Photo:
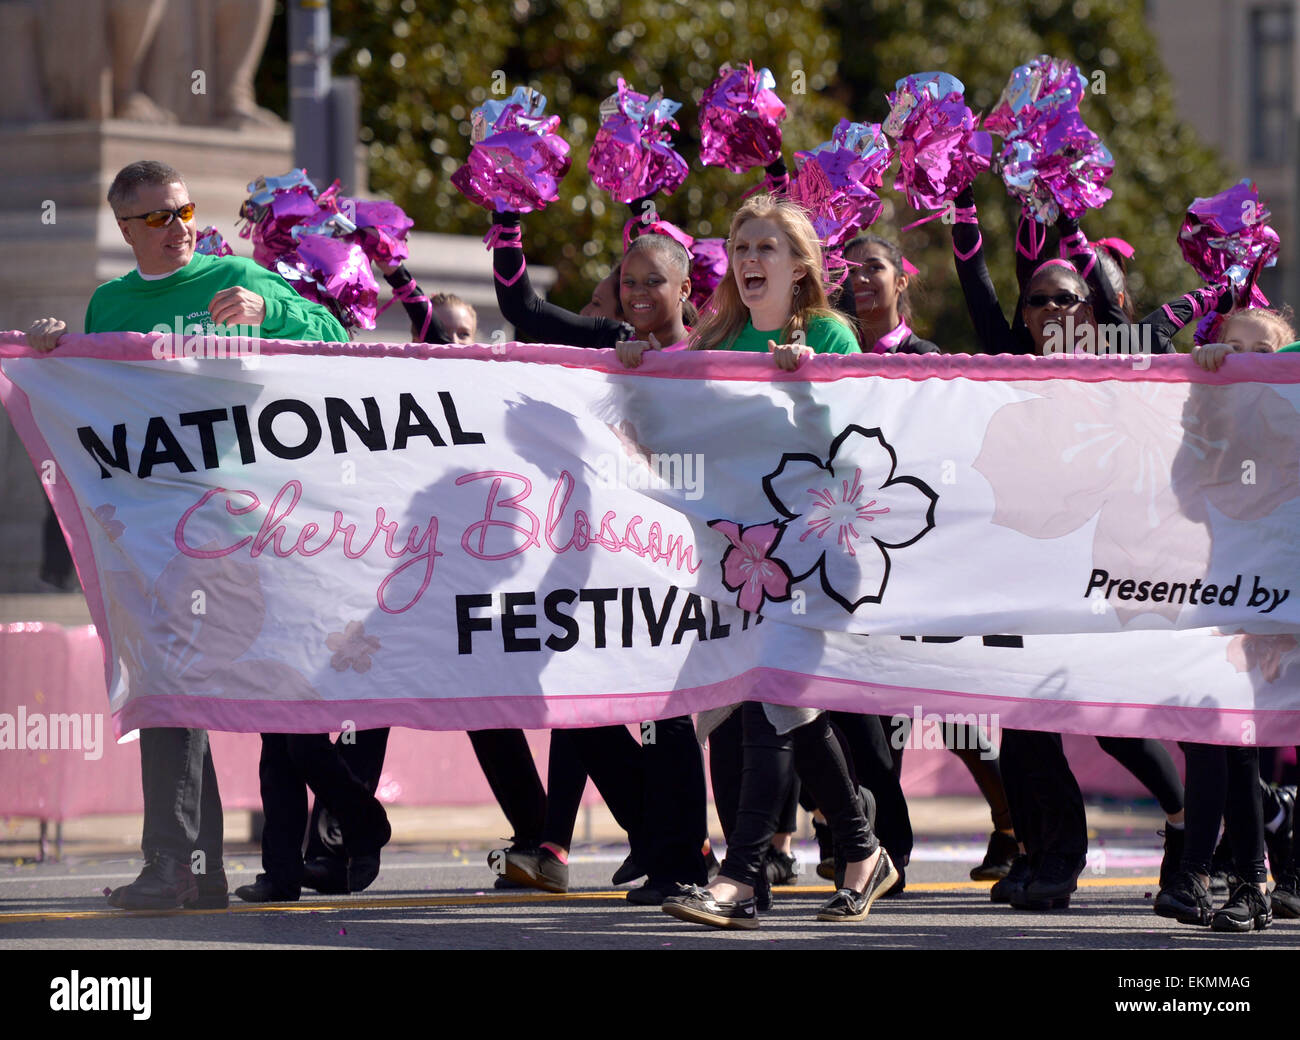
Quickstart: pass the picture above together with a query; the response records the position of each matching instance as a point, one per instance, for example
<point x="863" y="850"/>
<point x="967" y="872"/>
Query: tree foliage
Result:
<point x="423" y="66"/>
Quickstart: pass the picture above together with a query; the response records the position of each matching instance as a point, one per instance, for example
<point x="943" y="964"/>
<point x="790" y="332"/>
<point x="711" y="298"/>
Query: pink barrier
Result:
<point x="48" y="670"/>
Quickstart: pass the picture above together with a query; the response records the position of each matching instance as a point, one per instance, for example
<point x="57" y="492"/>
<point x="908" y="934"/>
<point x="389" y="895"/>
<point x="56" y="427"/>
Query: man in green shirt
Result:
<point x="173" y="289"/>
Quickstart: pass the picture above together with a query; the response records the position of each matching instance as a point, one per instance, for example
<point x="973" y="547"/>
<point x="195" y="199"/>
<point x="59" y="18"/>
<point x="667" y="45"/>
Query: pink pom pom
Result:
<point x="1227" y="238"/>
<point x="335" y="273"/>
<point x="939" y="150"/>
<point x="517" y="160"/>
<point x="631" y="157"/>
<point x="211" y="243"/>
<point x="740" y="120"/>
<point x="1050" y="160"/>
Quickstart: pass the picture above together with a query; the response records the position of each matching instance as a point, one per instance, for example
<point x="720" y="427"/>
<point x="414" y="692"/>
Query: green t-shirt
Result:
<point x="179" y="302"/>
<point x="825" y="336"/>
<point x="1289" y="348"/>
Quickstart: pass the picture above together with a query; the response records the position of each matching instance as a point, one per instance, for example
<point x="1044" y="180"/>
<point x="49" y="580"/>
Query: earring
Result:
<point x="797" y="287"/>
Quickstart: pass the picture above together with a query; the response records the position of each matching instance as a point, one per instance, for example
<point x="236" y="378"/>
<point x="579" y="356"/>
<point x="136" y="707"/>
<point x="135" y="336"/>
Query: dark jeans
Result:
<point x="182" y="805"/>
<point x="292" y="762"/>
<point x="769" y="761"/>
<point x="1224" y="779"/>
<point x="1046" y="803"/>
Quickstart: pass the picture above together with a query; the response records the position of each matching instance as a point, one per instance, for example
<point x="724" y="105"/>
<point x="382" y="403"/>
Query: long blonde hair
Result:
<point x="725" y="316"/>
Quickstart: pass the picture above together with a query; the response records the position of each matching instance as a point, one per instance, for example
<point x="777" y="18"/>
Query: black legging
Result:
<point x="612" y="758"/>
<point x="1151" y="763"/>
<point x="768" y="765"/>
<point x="726" y="758"/>
<point x="1221" y="781"/>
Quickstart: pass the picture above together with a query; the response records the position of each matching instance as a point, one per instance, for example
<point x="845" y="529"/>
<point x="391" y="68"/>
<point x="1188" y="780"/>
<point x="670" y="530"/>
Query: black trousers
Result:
<point x="292" y="762"/>
<point x="182" y="805"/>
<point x="364" y="756"/>
<point x="612" y="758"/>
<point x="676" y="803"/>
<point x="1222" y="779"/>
<point x="507" y="762"/>
<point x="1046" y="803"/>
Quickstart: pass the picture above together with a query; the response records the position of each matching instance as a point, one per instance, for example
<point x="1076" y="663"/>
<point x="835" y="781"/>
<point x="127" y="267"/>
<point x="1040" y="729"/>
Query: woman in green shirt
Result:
<point x="775" y="299"/>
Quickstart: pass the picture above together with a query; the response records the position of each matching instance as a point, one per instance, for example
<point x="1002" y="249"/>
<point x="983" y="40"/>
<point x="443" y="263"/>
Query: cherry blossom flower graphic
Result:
<point x="106" y="515"/>
<point x="748" y="569"/>
<point x="1247" y="652"/>
<point x="1147" y="461"/>
<point x="839" y="519"/>
<point x="352" y="648"/>
<point x="190" y="630"/>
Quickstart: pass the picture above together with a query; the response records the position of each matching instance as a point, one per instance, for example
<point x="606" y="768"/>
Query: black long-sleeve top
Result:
<point x="532" y="317"/>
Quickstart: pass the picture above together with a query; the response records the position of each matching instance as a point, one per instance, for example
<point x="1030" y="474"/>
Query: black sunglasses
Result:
<point x="1063" y="299"/>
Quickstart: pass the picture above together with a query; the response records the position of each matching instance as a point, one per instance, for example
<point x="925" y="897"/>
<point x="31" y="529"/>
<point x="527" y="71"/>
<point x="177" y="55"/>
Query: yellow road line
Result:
<point x="485" y="900"/>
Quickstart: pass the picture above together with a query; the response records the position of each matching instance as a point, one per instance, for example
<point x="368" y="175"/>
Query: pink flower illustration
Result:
<point x="1247" y="652"/>
<point x="842" y="516"/>
<point x="1146" y="461"/>
<point x="105" y="514"/>
<point x="748" y="569"/>
<point x="352" y="648"/>
<point x="189" y="632"/>
<point x="626" y="433"/>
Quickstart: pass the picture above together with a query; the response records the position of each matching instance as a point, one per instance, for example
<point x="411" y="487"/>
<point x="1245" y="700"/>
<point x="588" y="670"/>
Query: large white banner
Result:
<point x="453" y="537"/>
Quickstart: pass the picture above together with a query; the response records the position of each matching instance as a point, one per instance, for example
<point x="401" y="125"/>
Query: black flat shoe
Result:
<point x="1015" y="881"/>
<point x="1051" y="885"/>
<point x="627" y="872"/>
<point x="998" y="857"/>
<point x="263" y="890"/>
<point x="537" y="868"/>
<point x="328" y="875"/>
<point x="848" y="905"/>
<point x="653" y="893"/>
<point x="699" y="907"/>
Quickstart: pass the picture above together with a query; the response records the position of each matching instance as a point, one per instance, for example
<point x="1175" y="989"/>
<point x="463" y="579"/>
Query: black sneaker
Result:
<point x="1248" y="909"/>
<point x="780" y="868"/>
<point x="998" y="857"/>
<point x="264" y="890"/>
<point x="536" y="868"/>
<point x="698" y="906"/>
<point x="1051" y="885"/>
<point x="328" y="875"/>
<point x="1286" y="898"/>
<point x="848" y="905"/>
<point x="1173" y="854"/>
<point x="1223" y="875"/>
<point x="1280" y="860"/>
<point x="1015" y="881"/>
<point x="653" y="893"/>
<point x="1185" y="899"/>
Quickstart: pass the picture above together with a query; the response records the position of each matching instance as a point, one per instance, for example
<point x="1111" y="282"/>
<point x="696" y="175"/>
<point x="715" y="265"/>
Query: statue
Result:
<point x="152" y="61"/>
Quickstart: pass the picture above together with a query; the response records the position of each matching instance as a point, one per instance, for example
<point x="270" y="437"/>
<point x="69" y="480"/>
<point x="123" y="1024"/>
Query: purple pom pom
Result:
<point x="1227" y="238"/>
<point x="631" y="157"/>
<point x="517" y="160"/>
<point x="835" y="181"/>
<point x="709" y="263"/>
<point x="211" y="243"/>
<point x="939" y="150"/>
<point x="740" y="120"/>
<point x="1050" y="160"/>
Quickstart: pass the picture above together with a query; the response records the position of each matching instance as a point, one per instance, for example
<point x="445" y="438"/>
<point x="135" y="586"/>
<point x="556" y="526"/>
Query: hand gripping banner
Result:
<point x="303" y="535"/>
